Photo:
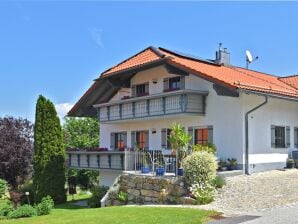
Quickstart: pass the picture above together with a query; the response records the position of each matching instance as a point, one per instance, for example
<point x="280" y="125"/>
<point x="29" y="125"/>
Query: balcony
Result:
<point x="170" y="103"/>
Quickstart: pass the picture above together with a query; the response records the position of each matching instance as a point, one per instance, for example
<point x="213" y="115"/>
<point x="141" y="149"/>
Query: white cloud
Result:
<point x="62" y="109"/>
<point x="96" y="35"/>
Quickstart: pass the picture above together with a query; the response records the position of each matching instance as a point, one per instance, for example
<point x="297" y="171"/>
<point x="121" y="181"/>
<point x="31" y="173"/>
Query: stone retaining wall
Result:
<point x="149" y="190"/>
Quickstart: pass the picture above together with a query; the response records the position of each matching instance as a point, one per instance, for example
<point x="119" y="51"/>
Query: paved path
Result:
<point x="257" y="193"/>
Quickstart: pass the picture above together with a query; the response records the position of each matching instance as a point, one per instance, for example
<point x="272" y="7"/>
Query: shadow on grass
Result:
<point x="70" y="205"/>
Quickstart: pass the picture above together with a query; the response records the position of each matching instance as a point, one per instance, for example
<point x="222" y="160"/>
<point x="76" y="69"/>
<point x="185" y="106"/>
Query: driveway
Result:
<point x="257" y="193"/>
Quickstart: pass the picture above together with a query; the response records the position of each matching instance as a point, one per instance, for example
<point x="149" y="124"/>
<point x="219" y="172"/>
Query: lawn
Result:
<point x="133" y="215"/>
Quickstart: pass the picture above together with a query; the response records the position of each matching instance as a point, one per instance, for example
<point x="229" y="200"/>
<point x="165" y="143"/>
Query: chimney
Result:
<point x="222" y="56"/>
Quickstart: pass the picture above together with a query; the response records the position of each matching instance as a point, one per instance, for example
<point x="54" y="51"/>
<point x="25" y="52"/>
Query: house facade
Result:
<point x="248" y="115"/>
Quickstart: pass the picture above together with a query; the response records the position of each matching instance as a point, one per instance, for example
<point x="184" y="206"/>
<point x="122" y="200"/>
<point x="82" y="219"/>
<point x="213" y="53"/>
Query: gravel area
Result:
<point x="258" y="192"/>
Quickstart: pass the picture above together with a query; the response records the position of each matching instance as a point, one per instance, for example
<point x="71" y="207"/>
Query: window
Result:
<point x="165" y="133"/>
<point x="140" y="90"/>
<point x="118" y="140"/>
<point x="174" y="83"/>
<point x="280" y="136"/>
<point x="296" y="137"/>
<point x="140" y="139"/>
<point x="201" y="135"/>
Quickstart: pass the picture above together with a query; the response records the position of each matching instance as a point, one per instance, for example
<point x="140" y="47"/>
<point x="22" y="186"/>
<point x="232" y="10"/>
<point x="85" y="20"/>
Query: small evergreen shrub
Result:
<point x="199" y="167"/>
<point x="203" y="193"/>
<point x="45" y="206"/>
<point x="97" y="194"/>
<point x="5" y="209"/>
<point x="3" y="188"/>
<point x="218" y="182"/>
<point x="23" y="211"/>
<point x="207" y="148"/>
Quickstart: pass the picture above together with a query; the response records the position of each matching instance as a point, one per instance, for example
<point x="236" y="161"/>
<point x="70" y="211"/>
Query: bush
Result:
<point x="23" y="211"/>
<point x="87" y="179"/>
<point x="219" y="182"/>
<point x="45" y="206"/>
<point x="203" y="193"/>
<point x="199" y="167"/>
<point x="122" y="196"/>
<point x="207" y="148"/>
<point x="5" y="209"/>
<point x="97" y="194"/>
<point x="27" y="187"/>
<point x="3" y="188"/>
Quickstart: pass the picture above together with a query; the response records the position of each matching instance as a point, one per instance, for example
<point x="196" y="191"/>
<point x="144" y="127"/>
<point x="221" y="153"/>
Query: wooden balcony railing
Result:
<point x="176" y="102"/>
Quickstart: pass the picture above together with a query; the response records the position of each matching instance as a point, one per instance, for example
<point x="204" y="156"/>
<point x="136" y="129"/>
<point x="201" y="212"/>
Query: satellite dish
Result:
<point x="249" y="57"/>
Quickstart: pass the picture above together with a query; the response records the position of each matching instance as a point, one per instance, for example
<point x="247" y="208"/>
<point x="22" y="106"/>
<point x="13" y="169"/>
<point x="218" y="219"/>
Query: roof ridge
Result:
<point x="276" y="84"/>
<point x="183" y="55"/>
<point x="289" y="76"/>
<point x="154" y="50"/>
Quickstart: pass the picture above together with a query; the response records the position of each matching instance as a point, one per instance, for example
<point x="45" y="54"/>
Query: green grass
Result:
<point x="71" y="214"/>
<point x="80" y="196"/>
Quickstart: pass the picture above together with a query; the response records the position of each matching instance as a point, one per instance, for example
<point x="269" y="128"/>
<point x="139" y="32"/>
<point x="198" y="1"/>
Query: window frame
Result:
<point x="174" y="80"/>
<point x="296" y="137"/>
<point x="210" y="132"/>
<point x="143" y="144"/>
<point x="119" y="136"/>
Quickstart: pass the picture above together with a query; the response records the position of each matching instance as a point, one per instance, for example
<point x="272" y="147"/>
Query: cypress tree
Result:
<point x="49" y="154"/>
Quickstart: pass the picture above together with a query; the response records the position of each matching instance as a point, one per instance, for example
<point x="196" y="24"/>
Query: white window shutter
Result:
<point x="133" y="91"/>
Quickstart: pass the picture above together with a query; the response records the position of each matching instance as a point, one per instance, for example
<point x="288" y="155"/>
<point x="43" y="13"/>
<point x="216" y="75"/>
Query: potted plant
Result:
<point x="145" y="167"/>
<point x="232" y="164"/>
<point x="290" y="163"/>
<point x="160" y="169"/>
<point x="179" y="141"/>
<point x="222" y="165"/>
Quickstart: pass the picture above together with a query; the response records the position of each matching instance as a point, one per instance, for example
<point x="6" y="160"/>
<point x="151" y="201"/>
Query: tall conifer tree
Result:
<point x="49" y="154"/>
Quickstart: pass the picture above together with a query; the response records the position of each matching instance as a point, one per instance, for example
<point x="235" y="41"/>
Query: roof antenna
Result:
<point x="219" y="47"/>
<point x="249" y="58"/>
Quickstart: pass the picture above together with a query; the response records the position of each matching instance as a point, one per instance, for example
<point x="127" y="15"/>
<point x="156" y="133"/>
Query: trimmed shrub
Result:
<point x="97" y="194"/>
<point x="45" y="206"/>
<point x="199" y="167"/>
<point x="203" y="193"/>
<point x="207" y="148"/>
<point x="23" y="211"/>
<point x="218" y="182"/>
<point x="5" y="209"/>
<point x="3" y="188"/>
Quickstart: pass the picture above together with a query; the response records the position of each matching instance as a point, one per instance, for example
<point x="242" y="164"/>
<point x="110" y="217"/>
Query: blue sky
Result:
<point x="57" y="48"/>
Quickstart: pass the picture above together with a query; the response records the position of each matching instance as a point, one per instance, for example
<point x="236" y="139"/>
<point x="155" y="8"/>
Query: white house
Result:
<point x="248" y="115"/>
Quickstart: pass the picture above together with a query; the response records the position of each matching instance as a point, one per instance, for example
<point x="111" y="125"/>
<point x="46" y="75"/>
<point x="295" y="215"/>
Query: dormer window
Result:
<point x="174" y="83"/>
<point x="140" y="90"/>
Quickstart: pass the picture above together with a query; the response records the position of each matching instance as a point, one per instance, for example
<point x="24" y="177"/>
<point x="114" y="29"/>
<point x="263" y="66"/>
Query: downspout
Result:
<point x="246" y="133"/>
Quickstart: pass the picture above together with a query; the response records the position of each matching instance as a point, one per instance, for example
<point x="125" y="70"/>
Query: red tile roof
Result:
<point x="290" y="80"/>
<point x="234" y="77"/>
<point x="146" y="56"/>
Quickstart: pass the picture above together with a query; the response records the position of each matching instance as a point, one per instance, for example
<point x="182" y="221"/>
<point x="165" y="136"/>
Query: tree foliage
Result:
<point x="81" y="132"/>
<point x="16" y="148"/>
<point x="49" y="153"/>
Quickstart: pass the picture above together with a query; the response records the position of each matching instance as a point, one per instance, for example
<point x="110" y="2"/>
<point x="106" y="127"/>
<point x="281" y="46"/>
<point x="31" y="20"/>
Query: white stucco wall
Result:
<point x="276" y="112"/>
<point x="225" y="114"/>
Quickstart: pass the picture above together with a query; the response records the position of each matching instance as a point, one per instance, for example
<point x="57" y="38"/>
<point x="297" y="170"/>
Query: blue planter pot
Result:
<point x="180" y="172"/>
<point x="145" y="169"/>
<point x="160" y="171"/>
